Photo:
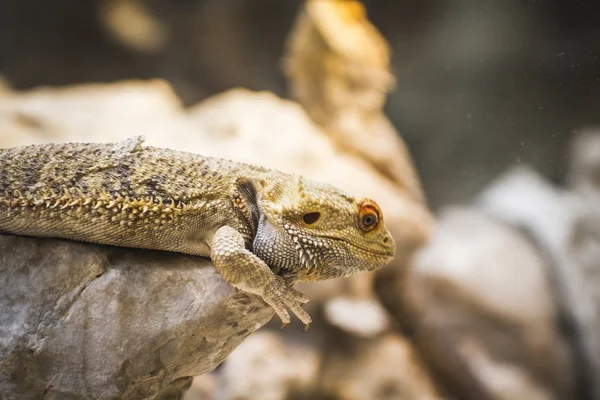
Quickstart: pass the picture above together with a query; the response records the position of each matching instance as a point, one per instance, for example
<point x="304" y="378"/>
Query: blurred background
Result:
<point x="484" y="112"/>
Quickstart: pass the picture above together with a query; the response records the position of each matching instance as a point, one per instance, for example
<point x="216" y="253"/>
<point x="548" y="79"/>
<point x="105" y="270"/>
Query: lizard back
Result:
<point x="121" y="194"/>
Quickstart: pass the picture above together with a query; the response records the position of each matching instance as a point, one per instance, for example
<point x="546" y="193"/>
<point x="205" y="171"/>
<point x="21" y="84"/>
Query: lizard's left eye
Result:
<point x="369" y="220"/>
<point x="311" y="218"/>
<point x="369" y="216"/>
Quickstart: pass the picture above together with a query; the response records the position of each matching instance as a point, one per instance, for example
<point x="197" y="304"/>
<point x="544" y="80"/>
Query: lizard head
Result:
<point x="315" y="231"/>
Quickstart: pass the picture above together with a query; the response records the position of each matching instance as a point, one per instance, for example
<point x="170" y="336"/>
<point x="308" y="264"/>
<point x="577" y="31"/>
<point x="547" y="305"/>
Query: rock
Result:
<point x="484" y="313"/>
<point x="503" y="301"/>
<point x="338" y="67"/>
<point x="265" y="367"/>
<point x="91" y="112"/>
<point x="268" y="367"/>
<point x="90" y="321"/>
<point x="363" y="317"/>
<point x="202" y="388"/>
<point x="565" y="225"/>
<point x="383" y="369"/>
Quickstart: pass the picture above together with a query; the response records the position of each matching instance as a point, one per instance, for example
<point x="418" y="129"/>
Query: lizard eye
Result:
<point x="369" y="220"/>
<point x="311" y="218"/>
<point x="368" y="217"/>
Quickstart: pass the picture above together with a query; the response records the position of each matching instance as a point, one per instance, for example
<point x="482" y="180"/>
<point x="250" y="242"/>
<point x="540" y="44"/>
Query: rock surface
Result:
<point x="387" y="368"/>
<point x="564" y="224"/>
<point x="503" y="302"/>
<point x="285" y="370"/>
<point x="269" y="367"/>
<point x="485" y="311"/>
<point x="90" y="321"/>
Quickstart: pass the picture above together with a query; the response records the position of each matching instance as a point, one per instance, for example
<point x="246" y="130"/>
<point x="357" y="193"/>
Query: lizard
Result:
<point x="264" y="230"/>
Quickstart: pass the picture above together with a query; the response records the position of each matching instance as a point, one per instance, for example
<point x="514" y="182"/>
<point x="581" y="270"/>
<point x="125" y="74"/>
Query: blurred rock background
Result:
<point x="496" y="102"/>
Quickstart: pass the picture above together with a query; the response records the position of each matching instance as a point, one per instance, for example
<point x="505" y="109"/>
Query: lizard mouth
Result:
<point x="389" y="253"/>
<point x="313" y="263"/>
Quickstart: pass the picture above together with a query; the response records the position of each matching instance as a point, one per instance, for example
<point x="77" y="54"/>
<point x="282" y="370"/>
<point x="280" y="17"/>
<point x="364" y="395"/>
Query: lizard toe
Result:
<point x="279" y="295"/>
<point x="291" y="295"/>
<point x="279" y="310"/>
<point x="301" y="314"/>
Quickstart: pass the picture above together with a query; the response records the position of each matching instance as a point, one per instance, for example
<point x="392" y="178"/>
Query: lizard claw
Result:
<point x="279" y="296"/>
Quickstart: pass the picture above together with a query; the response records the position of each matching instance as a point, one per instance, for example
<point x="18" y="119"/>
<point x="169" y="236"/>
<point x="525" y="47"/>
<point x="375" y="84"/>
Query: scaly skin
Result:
<point x="263" y="230"/>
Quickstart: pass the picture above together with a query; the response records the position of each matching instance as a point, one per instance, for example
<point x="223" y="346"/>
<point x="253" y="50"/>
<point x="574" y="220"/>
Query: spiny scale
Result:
<point x="90" y="192"/>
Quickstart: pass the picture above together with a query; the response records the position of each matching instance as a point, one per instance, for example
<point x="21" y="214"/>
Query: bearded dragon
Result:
<point x="264" y="230"/>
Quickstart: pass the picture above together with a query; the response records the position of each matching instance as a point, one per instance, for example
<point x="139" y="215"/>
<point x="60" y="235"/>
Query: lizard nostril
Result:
<point x="386" y="239"/>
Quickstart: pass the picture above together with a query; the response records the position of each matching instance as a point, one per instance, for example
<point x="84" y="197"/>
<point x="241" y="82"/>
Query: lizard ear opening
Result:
<point x="311" y="218"/>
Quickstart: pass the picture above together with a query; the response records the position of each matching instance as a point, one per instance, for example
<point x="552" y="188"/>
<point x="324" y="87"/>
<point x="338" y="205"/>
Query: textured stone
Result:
<point x="202" y="388"/>
<point x="89" y="321"/>
<point x="564" y="224"/>
<point x="92" y="112"/>
<point x="363" y="317"/>
<point x="265" y="367"/>
<point x="485" y="311"/>
<point x="384" y="369"/>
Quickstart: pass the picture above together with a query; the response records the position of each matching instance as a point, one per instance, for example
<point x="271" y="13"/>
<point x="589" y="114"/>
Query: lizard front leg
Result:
<point x="245" y="271"/>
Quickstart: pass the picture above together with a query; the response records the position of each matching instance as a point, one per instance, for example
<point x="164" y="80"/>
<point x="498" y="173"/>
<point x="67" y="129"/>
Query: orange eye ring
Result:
<point x="369" y="215"/>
